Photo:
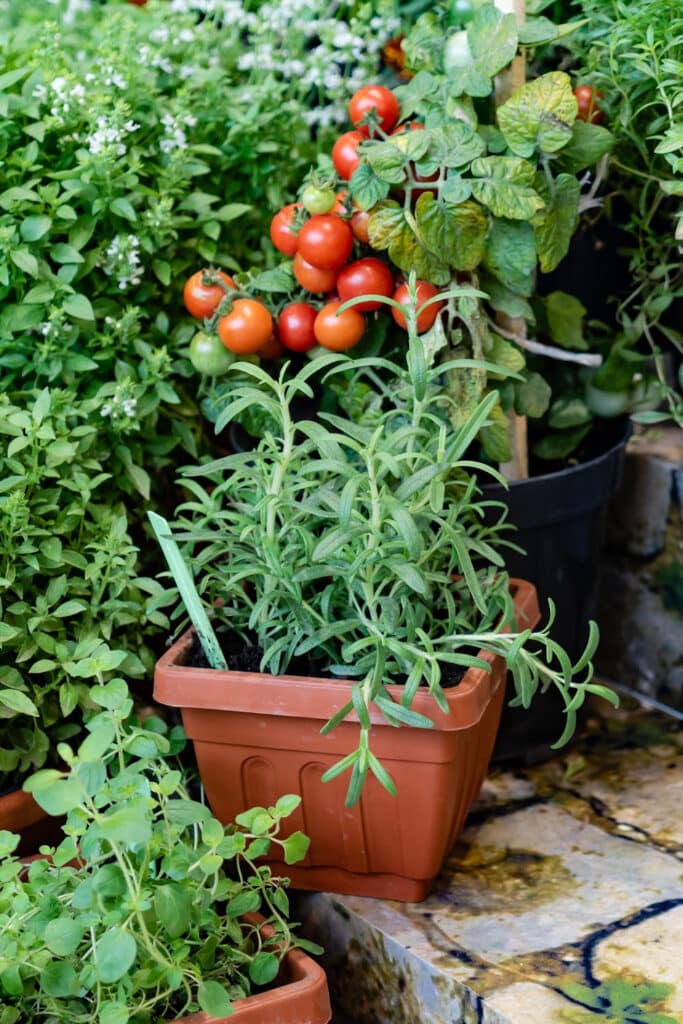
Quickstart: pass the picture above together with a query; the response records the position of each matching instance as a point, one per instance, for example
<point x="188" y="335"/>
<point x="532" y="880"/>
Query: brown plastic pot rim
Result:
<point x="182" y="686"/>
<point x="18" y="810"/>
<point x="302" y="1000"/>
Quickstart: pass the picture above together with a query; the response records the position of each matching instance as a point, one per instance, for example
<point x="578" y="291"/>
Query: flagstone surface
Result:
<point x="562" y="903"/>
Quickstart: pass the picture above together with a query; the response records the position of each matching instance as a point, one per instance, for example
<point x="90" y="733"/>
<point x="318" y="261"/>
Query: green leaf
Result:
<point x="455" y="145"/>
<point x="495" y="435"/>
<point x="123" y="208"/>
<point x="79" y="307"/>
<point x="555" y="225"/>
<point x="60" y="797"/>
<point x="280" y="279"/>
<point x="409" y="575"/>
<point x="63" y="935"/>
<point x="213" y="999"/>
<point x="538" y="31"/>
<point x="70" y="608"/>
<point x="264" y="968"/>
<point x="65" y="253"/>
<point x="387" y="161"/>
<point x="97" y="743"/>
<point x="493" y="37"/>
<point x="26" y="261"/>
<point x="295" y="847"/>
<point x="246" y="902"/>
<point x="456" y="234"/>
<point x="113" y="1013"/>
<point x="33" y="228"/>
<point x="540" y="115"/>
<point x="565" y="320"/>
<point x="173" y="907"/>
<point x="40" y="293"/>
<point x="504" y="354"/>
<point x="404" y="716"/>
<point x="187" y="812"/>
<point x="17" y="701"/>
<point x="287" y="804"/>
<point x="511" y="254"/>
<point x="388" y="228"/>
<point x="568" y="412"/>
<point x="588" y="144"/>
<point x="505" y="301"/>
<point x="532" y="395"/>
<point x="58" y="979"/>
<point x="231" y="211"/>
<point x="11" y="78"/>
<point x="366" y="187"/>
<point x="114" y="955"/>
<point x="505" y="185"/>
<point x="561" y="444"/>
<point x="130" y="825"/>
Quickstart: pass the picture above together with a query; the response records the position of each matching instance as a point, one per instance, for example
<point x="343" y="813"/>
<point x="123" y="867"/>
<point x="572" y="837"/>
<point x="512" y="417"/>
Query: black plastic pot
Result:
<point x="560" y="519"/>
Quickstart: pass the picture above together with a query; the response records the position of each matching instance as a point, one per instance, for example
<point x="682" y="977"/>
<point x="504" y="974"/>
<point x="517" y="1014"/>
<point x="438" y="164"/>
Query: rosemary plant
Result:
<point x="363" y="546"/>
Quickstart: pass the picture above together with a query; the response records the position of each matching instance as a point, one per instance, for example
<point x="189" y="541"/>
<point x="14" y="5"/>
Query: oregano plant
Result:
<point x="138" y="915"/>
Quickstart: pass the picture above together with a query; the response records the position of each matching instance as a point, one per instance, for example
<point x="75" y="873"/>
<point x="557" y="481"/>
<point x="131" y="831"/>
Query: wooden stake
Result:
<point x="507" y="83"/>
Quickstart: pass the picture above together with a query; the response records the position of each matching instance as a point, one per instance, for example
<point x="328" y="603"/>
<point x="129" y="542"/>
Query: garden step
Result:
<point x="564" y="893"/>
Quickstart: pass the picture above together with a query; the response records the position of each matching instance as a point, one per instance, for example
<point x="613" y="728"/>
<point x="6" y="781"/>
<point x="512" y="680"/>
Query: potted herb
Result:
<point x="133" y="917"/>
<point x="354" y="581"/>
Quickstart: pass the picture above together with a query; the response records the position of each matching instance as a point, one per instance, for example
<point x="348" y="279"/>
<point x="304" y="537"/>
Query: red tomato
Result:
<point x="201" y="299"/>
<point x="281" y="234"/>
<point x="359" y="226"/>
<point x="589" y="108"/>
<point x="326" y="241"/>
<point x="246" y="328"/>
<point x="368" y="276"/>
<point x="426" y="318"/>
<point x="340" y="203"/>
<point x="313" y="279"/>
<point x="379" y="99"/>
<point x="338" y="333"/>
<point x="295" y="326"/>
<point x="345" y="153"/>
<point x="272" y="349"/>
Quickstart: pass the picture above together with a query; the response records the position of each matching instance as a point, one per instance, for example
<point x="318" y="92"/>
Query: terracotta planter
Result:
<point x="21" y="814"/>
<point x="302" y="998"/>
<point x="257" y="736"/>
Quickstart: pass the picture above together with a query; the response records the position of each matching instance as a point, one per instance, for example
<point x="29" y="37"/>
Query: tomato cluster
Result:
<point x="323" y="234"/>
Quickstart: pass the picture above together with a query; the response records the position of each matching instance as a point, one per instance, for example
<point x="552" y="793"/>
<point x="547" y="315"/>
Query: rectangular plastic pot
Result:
<point x="302" y="998"/>
<point x="257" y="736"/>
<point x="21" y="814"/>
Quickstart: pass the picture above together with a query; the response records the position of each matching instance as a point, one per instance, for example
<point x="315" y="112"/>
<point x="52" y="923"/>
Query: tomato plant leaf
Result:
<point x="457" y="234"/>
<point x="506" y="185"/>
<point x="588" y="143"/>
<point x="366" y="187"/>
<point x="511" y="254"/>
<point x="540" y="115"/>
<point x="554" y="225"/>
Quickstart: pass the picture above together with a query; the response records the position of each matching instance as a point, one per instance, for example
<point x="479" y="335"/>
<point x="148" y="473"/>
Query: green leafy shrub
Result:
<point x="71" y="604"/>
<point x="135" y="918"/>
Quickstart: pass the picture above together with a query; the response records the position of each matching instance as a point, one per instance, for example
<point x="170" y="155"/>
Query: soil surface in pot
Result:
<point x="243" y="656"/>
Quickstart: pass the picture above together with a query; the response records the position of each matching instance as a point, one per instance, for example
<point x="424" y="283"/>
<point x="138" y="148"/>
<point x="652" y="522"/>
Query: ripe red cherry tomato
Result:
<point x="338" y="333"/>
<point x="201" y="299"/>
<point x="295" y="326"/>
<point x="426" y="318"/>
<point x="313" y="279"/>
<point x="589" y="108"/>
<point x="379" y="99"/>
<point x="345" y="153"/>
<point x="246" y="328"/>
<point x="359" y="226"/>
<point x="368" y="276"/>
<point x="272" y="349"/>
<point x="325" y="241"/>
<point x="281" y="234"/>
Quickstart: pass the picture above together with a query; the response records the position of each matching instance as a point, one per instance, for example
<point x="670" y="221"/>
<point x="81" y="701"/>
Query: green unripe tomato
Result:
<point x="318" y="200"/>
<point x="209" y="355"/>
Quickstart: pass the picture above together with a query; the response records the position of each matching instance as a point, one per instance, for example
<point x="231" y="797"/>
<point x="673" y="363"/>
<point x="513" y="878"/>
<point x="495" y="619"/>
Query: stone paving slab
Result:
<point x="562" y="903"/>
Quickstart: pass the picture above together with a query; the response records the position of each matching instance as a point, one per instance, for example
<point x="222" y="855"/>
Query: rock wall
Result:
<point x="641" y="594"/>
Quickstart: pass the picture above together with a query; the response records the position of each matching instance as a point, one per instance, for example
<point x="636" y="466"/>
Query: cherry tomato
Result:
<point x="338" y="333"/>
<point x="318" y="200"/>
<point x="295" y="326"/>
<point x="345" y="153"/>
<point x="326" y="241"/>
<point x="426" y="318"/>
<point x="281" y="234"/>
<point x="313" y="279"/>
<point x="379" y="99"/>
<point x="589" y="108"/>
<point x="368" y="276"/>
<point x="359" y="226"/>
<point x="272" y="349"/>
<point x="200" y="299"/>
<point x="209" y="355"/>
<point x="246" y="328"/>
